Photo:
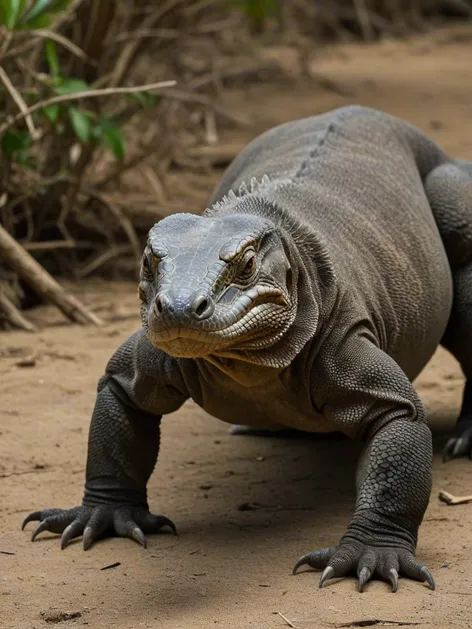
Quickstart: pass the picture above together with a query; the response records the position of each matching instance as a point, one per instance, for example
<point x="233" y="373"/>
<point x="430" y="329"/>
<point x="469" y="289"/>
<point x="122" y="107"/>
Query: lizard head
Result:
<point x="215" y="285"/>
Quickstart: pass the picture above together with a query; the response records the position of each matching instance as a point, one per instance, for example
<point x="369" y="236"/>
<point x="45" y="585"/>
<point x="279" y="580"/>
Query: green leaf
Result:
<point x="80" y="123"/>
<point x="145" y="99"/>
<point x="42" y="12"/>
<point x="11" y="11"/>
<point x="51" y="56"/>
<point x="113" y="138"/>
<point x="107" y="132"/>
<point x="39" y="8"/>
<point x="52" y="112"/>
<point x="26" y="160"/>
<point x="71" y="86"/>
<point x="257" y="10"/>
<point x="15" y="141"/>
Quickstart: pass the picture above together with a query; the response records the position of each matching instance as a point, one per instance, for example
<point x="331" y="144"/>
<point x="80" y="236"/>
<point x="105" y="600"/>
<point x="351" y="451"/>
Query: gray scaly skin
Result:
<point x="335" y="256"/>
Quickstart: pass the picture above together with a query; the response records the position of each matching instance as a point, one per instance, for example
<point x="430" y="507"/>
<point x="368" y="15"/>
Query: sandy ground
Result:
<point x="229" y="567"/>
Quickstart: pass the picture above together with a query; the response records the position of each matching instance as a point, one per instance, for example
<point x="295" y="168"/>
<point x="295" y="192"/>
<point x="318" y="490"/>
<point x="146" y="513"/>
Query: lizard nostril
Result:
<point x="159" y="305"/>
<point x="202" y="306"/>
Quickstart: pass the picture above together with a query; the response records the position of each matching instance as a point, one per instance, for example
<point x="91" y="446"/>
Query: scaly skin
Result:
<point x="308" y="299"/>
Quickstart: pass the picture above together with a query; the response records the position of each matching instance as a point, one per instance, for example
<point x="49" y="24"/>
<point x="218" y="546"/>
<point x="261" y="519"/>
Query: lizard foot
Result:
<point x="384" y="562"/>
<point x="100" y="521"/>
<point x="460" y="444"/>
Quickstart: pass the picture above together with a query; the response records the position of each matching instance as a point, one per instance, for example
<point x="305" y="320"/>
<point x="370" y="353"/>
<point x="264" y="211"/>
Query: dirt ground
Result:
<point x="229" y="567"/>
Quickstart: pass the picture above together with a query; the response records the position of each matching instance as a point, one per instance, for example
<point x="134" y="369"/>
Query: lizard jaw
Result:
<point x="244" y="334"/>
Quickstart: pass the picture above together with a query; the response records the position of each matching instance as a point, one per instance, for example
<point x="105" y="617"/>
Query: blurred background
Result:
<point x="84" y="178"/>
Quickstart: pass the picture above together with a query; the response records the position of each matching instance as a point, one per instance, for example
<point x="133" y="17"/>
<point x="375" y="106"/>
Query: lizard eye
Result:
<point x="146" y="267"/>
<point x="248" y="265"/>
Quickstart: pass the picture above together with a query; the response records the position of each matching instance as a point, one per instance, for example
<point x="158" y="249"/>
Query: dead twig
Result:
<point x="22" y="106"/>
<point x="111" y="565"/>
<point x="131" y="48"/>
<point x="40" y="281"/>
<point x="364" y="20"/>
<point x="49" y="245"/>
<point x="101" y="259"/>
<point x="106" y="91"/>
<point x="13" y="315"/>
<point x="289" y="622"/>
<point x="63" y="41"/>
<point x="188" y="97"/>
<point x="143" y="33"/>
<point x="125" y="223"/>
<point x="372" y="622"/>
<point x="155" y="183"/>
<point x="450" y="499"/>
<point x="220" y="155"/>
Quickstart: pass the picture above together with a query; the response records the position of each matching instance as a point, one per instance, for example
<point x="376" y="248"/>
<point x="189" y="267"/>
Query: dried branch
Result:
<point x="40" y="281"/>
<point x="22" y="106"/>
<point x="63" y="41"/>
<point x="49" y="245"/>
<point x="12" y="314"/>
<point x="187" y="97"/>
<point x="131" y="48"/>
<point x="63" y="98"/>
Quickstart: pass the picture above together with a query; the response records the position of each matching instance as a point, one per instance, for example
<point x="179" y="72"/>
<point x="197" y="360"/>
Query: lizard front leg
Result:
<point x="394" y="473"/>
<point x="123" y="447"/>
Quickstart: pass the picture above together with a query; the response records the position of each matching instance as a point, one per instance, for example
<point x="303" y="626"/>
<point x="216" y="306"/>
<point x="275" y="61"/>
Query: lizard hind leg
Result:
<point x="449" y="191"/>
<point x="458" y="340"/>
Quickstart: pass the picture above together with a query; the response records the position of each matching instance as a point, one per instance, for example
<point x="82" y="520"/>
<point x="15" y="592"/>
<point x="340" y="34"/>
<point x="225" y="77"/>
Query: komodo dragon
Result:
<point x="334" y="257"/>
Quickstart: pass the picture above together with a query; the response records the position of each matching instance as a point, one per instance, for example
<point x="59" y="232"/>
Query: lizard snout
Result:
<point x="182" y="308"/>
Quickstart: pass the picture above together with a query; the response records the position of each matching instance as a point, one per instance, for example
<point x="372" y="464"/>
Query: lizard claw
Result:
<point x="74" y="529"/>
<point x="393" y="578"/>
<point x="32" y="517"/>
<point x="87" y="537"/>
<point x="328" y="573"/>
<point x="138" y="536"/>
<point x="39" y="528"/>
<point x="364" y="576"/>
<point x="460" y="444"/>
<point x="318" y="559"/>
<point x="427" y="576"/>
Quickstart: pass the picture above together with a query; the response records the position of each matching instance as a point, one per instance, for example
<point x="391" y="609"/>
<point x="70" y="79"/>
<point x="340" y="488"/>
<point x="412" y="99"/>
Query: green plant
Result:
<point x="257" y="11"/>
<point x="19" y="15"/>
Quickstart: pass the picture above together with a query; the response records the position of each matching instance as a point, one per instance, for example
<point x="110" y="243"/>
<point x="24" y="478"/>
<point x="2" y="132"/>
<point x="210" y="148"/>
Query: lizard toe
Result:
<point x="52" y="520"/>
<point x="415" y="570"/>
<point x="364" y="575"/>
<point x="317" y="559"/>
<point x="124" y="520"/>
<point x="388" y="566"/>
<point x="39" y="516"/>
<point x="74" y="529"/>
<point x="151" y="523"/>
<point x="460" y="444"/>
<point x="98" y="521"/>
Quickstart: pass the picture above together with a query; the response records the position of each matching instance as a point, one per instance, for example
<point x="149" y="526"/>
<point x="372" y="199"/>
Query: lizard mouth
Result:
<point x="186" y="346"/>
<point x="246" y="333"/>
